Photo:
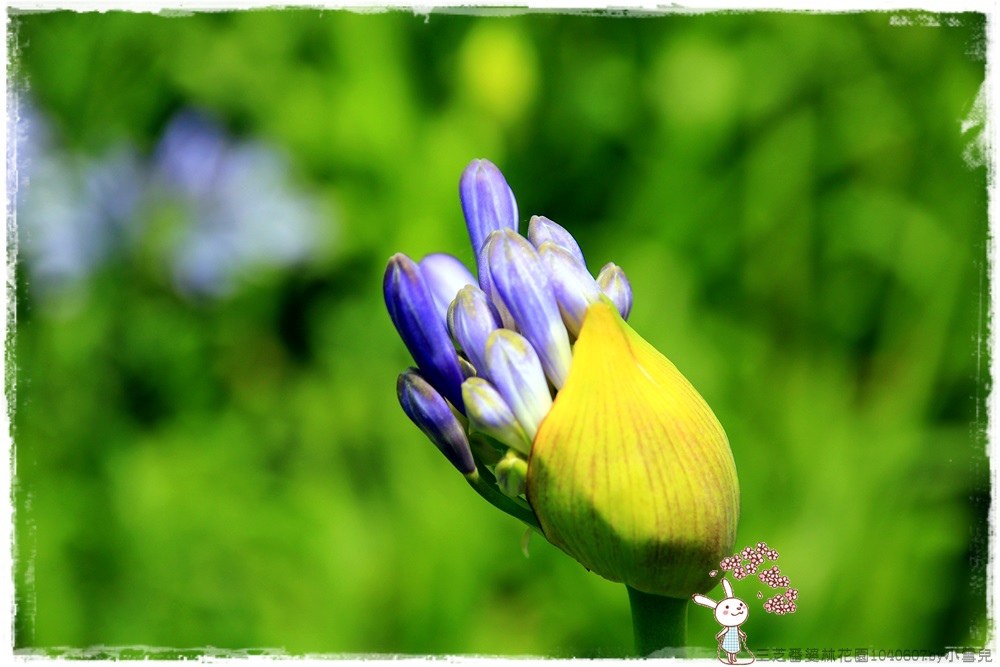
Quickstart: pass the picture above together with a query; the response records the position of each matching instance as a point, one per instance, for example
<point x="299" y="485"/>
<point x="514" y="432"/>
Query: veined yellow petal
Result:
<point x="630" y="472"/>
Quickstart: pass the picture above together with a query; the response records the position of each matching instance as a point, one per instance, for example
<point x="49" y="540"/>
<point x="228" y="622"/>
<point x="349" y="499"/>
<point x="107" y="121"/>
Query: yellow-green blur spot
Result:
<point x="499" y="70"/>
<point x="631" y="472"/>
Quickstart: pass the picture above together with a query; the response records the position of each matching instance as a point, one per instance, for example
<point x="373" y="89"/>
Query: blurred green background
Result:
<point x="208" y="446"/>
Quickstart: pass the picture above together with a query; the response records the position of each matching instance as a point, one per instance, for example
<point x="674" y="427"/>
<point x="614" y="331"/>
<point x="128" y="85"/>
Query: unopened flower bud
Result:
<point x="511" y="473"/>
<point x="468" y="370"/>
<point x="574" y="288"/>
<point x="516" y="372"/>
<point x="413" y="311"/>
<point x="445" y="275"/>
<point x="630" y="472"/>
<point x="431" y="413"/>
<point x="520" y="279"/>
<point x="616" y="286"/>
<point x="487" y="201"/>
<point x="489" y="288"/>
<point x="542" y="230"/>
<point x="473" y="318"/>
<point x="489" y="413"/>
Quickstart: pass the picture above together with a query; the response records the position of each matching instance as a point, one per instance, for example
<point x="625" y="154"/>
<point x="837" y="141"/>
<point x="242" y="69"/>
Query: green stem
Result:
<point x="659" y="623"/>
<point x="518" y="510"/>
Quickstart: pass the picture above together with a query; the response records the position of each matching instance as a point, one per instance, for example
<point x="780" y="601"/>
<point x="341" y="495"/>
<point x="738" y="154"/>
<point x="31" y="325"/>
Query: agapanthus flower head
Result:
<point x="534" y="386"/>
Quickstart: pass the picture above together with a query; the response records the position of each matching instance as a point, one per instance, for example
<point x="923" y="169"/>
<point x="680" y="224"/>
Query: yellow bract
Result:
<point x="631" y="472"/>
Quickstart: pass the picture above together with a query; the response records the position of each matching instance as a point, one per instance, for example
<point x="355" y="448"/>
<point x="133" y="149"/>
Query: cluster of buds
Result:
<point x="531" y="383"/>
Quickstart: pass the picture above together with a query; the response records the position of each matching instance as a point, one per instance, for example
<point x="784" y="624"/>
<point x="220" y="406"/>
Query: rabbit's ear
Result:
<point x="728" y="587"/>
<point x="704" y="601"/>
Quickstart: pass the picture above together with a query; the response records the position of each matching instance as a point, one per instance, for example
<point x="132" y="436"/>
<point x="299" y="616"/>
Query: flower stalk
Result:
<point x="659" y="624"/>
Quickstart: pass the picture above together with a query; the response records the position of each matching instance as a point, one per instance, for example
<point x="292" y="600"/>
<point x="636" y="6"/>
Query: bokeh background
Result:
<point x="208" y="447"/>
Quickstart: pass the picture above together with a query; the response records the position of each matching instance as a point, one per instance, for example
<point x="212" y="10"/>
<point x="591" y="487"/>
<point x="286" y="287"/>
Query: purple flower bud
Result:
<point x="431" y="413"/>
<point x="487" y="201"/>
<point x="473" y="318"/>
<point x="413" y="312"/>
<point x="445" y="275"/>
<point x="574" y="287"/>
<point x="615" y="285"/>
<point x="522" y="283"/>
<point x="517" y="374"/>
<point x="486" y="284"/>
<point x="541" y="229"/>
<point x="489" y="413"/>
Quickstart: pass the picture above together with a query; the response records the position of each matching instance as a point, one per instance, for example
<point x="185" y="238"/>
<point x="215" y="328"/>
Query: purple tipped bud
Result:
<point x="522" y="283"/>
<point x="415" y="315"/>
<point x="574" y="287"/>
<point x="473" y="318"/>
<point x="517" y="374"/>
<point x="431" y="413"/>
<point x="615" y="285"/>
<point x="487" y="201"/>
<point x="445" y="275"/>
<point x="541" y="229"/>
<point x="489" y="413"/>
<point x="486" y="283"/>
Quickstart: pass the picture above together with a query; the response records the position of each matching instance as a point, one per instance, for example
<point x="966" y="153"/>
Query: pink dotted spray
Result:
<point x="748" y="562"/>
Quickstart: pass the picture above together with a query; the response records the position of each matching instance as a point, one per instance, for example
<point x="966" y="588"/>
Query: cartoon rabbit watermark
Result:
<point x="731" y="612"/>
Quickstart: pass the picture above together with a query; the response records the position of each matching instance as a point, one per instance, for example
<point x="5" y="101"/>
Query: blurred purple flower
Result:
<point x="241" y="212"/>
<point x="189" y="154"/>
<point x="244" y="213"/>
<point x="71" y="211"/>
